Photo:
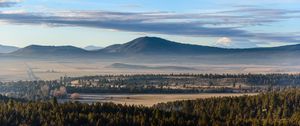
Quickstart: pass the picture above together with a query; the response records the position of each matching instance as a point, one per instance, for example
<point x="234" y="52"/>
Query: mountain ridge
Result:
<point x="152" y="46"/>
<point x="7" y="49"/>
<point x="48" y="50"/>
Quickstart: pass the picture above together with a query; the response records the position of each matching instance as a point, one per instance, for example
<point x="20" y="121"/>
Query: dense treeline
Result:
<point x="150" y="83"/>
<point x="136" y="90"/>
<point x="75" y="114"/>
<point x="181" y="83"/>
<point x="273" y="108"/>
<point x="32" y="90"/>
<point x="196" y="79"/>
<point x="4" y="99"/>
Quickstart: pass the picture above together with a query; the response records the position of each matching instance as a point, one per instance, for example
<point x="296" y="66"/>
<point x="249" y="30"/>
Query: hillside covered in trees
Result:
<point x="273" y="108"/>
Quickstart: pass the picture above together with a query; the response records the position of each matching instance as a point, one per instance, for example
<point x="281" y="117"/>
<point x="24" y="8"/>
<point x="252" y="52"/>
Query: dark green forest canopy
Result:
<point x="253" y="79"/>
<point x="273" y="108"/>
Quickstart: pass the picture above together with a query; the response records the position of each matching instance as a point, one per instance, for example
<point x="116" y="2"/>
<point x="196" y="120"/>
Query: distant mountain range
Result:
<point x="92" y="48"/>
<point x="37" y="50"/>
<point x="151" y="46"/>
<point x="7" y="49"/>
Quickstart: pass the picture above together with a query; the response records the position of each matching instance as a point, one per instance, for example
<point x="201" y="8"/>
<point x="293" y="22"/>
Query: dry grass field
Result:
<point x="150" y="99"/>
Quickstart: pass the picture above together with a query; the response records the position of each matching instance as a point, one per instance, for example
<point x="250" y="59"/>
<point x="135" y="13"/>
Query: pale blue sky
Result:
<point x="226" y="23"/>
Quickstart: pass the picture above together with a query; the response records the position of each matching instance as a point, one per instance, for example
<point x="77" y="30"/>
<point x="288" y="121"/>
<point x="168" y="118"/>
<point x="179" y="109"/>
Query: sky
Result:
<point x="222" y="23"/>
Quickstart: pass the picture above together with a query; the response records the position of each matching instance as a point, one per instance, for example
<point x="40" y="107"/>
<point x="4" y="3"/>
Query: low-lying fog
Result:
<point x="32" y="69"/>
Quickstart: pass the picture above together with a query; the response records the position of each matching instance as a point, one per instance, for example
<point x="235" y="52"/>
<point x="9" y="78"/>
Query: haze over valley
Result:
<point x="149" y="63"/>
<point x="144" y="55"/>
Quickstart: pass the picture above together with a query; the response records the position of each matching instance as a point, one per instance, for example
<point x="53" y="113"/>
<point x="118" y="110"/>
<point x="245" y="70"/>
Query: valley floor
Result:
<point x="148" y="99"/>
<point x="13" y="70"/>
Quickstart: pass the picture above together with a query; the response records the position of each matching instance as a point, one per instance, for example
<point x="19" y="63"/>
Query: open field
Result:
<point x="149" y="99"/>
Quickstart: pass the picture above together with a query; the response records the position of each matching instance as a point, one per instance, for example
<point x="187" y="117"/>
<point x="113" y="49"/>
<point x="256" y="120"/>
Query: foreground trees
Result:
<point x="280" y="109"/>
<point x="52" y="113"/>
<point x="271" y="108"/>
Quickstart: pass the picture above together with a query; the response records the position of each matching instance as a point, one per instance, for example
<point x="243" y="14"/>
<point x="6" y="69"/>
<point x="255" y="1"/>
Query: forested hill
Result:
<point x="269" y="109"/>
<point x="274" y="108"/>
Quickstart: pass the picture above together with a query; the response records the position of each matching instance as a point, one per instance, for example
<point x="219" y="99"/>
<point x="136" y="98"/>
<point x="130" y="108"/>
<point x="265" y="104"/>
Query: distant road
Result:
<point x="30" y="73"/>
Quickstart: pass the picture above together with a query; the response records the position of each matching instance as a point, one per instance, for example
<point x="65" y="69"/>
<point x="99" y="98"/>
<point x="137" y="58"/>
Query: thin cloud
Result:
<point x="8" y="3"/>
<point x="215" y="24"/>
